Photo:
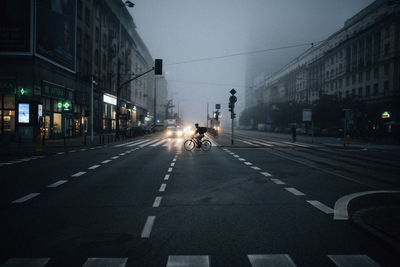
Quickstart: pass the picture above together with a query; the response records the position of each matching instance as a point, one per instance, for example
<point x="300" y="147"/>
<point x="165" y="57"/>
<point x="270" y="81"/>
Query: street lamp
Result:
<point x="131" y="5"/>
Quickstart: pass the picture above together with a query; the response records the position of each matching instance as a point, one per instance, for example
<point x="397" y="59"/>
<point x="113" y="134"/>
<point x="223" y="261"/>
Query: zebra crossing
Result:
<point x="255" y="260"/>
<point x="255" y="142"/>
<point x="157" y="142"/>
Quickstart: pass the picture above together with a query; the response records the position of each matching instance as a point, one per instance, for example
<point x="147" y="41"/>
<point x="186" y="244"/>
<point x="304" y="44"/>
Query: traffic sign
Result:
<point x="232" y="99"/>
<point x="233" y="91"/>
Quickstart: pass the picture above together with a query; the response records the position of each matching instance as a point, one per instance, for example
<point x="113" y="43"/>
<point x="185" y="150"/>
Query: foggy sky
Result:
<point x="184" y="30"/>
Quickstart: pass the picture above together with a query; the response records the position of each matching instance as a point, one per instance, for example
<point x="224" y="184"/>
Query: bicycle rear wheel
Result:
<point x="189" y="144"/>
<point x="206" y="145"/>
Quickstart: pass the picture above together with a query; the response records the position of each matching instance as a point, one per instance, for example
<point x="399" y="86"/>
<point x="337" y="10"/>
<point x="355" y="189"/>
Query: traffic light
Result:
<point x="158" y="67"/>
<point x="230" y="107"/>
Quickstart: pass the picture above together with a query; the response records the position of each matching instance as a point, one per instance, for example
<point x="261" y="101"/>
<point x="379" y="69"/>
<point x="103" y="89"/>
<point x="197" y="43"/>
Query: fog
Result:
<point x="193" y="37"/>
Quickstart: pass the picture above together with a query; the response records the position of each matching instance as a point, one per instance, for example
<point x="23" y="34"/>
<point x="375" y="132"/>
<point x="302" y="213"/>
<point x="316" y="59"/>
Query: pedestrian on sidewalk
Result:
<point x="293" y="133"/>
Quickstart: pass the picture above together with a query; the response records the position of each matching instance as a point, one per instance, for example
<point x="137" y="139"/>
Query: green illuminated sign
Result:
<point x="67" y="105"/>
<point x="64" y="105"/>
<point x="385" y="115"/>
<point x="59" y="104"/>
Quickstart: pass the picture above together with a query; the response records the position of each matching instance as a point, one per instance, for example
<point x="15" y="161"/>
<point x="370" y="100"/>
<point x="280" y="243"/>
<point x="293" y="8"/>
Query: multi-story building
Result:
<point x="50" y="51"/>
<point x="360" y="62"/>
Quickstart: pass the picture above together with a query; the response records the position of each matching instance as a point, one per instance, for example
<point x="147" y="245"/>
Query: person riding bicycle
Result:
<point x="201" y="131"/>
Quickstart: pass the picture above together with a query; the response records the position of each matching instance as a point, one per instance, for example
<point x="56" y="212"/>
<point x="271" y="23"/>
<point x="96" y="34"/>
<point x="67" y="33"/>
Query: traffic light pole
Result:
<point x="232" y="140"/>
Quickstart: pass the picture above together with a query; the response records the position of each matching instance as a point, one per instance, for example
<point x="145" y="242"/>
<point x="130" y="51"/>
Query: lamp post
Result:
<point x="91" y="109"/>
<point x="128" y="4"/>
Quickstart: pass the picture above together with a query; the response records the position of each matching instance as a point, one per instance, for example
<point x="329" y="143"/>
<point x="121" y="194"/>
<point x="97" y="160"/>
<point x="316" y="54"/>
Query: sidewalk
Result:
<point x="14" y="150"/>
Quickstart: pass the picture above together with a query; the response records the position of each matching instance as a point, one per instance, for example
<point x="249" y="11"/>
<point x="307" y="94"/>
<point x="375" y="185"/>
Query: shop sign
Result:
<point x="110" y="99"/>
<point x="66" y="106"/>
<point x="23" y="113"/>
<point x="385" y="115"/>
<point x="53" y="90"/>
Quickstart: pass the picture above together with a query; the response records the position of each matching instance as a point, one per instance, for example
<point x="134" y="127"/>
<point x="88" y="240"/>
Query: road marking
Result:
<point x="26" y="262"/>
<point x="128" y="143"/>
<point x="91" y="148"/>
<point x="353" y="260"/>
<point x="162" y="187"/>
<point x="241" y="159"/>
<point x="57" y="183"/>
<point x="148" y="143"/>
<point x="248" y="143"/>
<point x="320" y="206"/>
<point x="26" y="198"/>
<point x="83" y="149"/>
<point x="255" y="168"/>
<point x="115" y="157"/>
<point x="169" y="169"/>
<point x="15" y="161"/>
<point x="294" y="191"/>
<point x="160" y="142"/>
<point x="266" y="174"/>
<point x="106" y="161"/>
<point x="188" y="260"/>
<point x="60" y="153"/>
<point x="248" y="163"/>
<point x="271" y="260"/>
<point x="262" y="143"/>
<point x="105" y="262"/>
<point x="166" y="177"/>
<point x="296" y="144"/>
<point x="236" y="156"/>
<point x="122" y="154"/>
<point x="157" y="202"/>
<point x="94" y="167"/>
<point x="72" y="151"/>
<point x="78" y="174"/>
<point x="148" y="226"/>
<point x="341" y="212"/>
<point x="174" y="159"/>
<point x="138" y="143"/>
<point x="172" y="164"/>
<point x="277" y="181"/>
<point x="170" y="141"/>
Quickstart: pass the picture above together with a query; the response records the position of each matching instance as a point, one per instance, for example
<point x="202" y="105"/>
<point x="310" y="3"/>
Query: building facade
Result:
<point x="360" y="63"/>
<point x="50" y="53"/>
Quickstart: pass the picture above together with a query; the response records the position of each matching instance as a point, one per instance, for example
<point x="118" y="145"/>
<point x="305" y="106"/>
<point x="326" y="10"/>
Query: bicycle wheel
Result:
<point x="206" y="145"/>
<point x="189" y="144"/>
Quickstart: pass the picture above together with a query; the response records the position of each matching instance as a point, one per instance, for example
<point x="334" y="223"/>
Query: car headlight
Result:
<point x="191" y="132"/>
<point x="169" y="133"/>
<point x="179" y="133"/>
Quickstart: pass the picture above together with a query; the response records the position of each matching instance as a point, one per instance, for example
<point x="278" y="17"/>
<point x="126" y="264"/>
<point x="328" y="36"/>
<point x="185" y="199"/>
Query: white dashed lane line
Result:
<point x="172" y="164"/>
<point x="248" y="163"/>
<point x="60" y="153"/>
<point x="294" y="191"/>
<point x="166" y="177"/>
<point x="162" y="187"/>
<point x="255" y="168"/>
<point x="320" y="206"/>
<point x="157" y="202"/>
<point x="266" y="174"/>
<point x="94" y="167"/>
<point x="115" y="157"/>
<point x="174" y="159"/>
<point x="169" y="169"/>
<point x="78" y="174"/>
<point x="72" y="151"/>
<point x="148" y="227"/>
<point x="277" y="181"/>
<point x="58" y="183"/>
<point x="106" y="161"/>
<point x="241" y="159"/>
<point x="26" y="198"/>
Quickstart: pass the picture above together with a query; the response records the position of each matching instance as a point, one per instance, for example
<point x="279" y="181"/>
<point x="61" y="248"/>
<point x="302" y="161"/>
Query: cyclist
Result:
<point x="201" y="131"/>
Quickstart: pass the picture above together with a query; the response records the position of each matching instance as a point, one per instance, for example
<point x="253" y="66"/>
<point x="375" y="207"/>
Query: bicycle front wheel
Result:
<point x="189" y="144"/>
<point x="206" y="145"/>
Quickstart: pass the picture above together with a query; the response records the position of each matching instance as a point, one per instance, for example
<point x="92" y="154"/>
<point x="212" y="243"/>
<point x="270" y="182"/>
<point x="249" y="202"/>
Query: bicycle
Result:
<point x="192" y="142"/>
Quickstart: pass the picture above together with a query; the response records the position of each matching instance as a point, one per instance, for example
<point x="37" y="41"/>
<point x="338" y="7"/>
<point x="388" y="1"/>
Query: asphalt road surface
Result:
<point x="148" y="202"/>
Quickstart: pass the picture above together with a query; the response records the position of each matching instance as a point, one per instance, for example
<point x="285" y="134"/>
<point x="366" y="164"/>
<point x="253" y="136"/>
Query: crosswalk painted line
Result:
<point x="282" y="260"/>
<point x="26" y="262"/>
<point x="262" y="143"/>
<point x="148" y="143"/>
<point x="26" y="198"/>
<point x="322" y="207"/>
<point x="246" y="142"/>
<point x="128" y="143"/>
<point x="105" y="262"/>
<point x="186" y="260"/>
<point x="169" y="143"/>
<point x="353" y="260"/>
<point x="160" y="142"/>
<point x="58" y="183"/>
<point x="137" y="143"/>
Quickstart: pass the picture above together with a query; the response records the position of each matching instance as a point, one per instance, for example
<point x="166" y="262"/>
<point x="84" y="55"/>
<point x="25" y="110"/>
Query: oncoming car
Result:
<point x="174" y="131"/>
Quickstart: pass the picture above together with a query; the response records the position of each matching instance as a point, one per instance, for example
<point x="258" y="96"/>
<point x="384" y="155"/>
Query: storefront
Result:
<point x="58" y="119"/>
<point x="109" y="112"/>
<point x="7" y="107"/>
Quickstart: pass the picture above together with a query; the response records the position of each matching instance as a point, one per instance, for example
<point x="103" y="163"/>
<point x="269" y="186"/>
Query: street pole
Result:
<point x="118" y="72"/>
<point x="232" y="132"/>
<point x="155" y="100"/>
<point x="91" y="111"/>
<point x="207" y="116"/>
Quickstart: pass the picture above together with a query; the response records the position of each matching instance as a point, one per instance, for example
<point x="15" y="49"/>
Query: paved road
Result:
<point x="148" y="202"/>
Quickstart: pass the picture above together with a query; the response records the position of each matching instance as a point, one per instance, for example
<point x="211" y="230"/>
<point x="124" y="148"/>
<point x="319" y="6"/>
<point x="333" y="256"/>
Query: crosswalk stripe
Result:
<point x="186" y="261"/>
<point x="169" y="143"/>
<point x="137" y="143"/>
<point x="296" y="144"/>
<point x="246" y="142"/>
<point x="282" y="260"/>
<point x="149" y="142"/>
<point x="105" y="262"/>
<point x="262" y="143"/>
<point x="128" y="143"/>
<point x="160" y="142"/>
<point x="353" y="260"/>
<point x="26" y="262"/>
<point x="179" y="143"/>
